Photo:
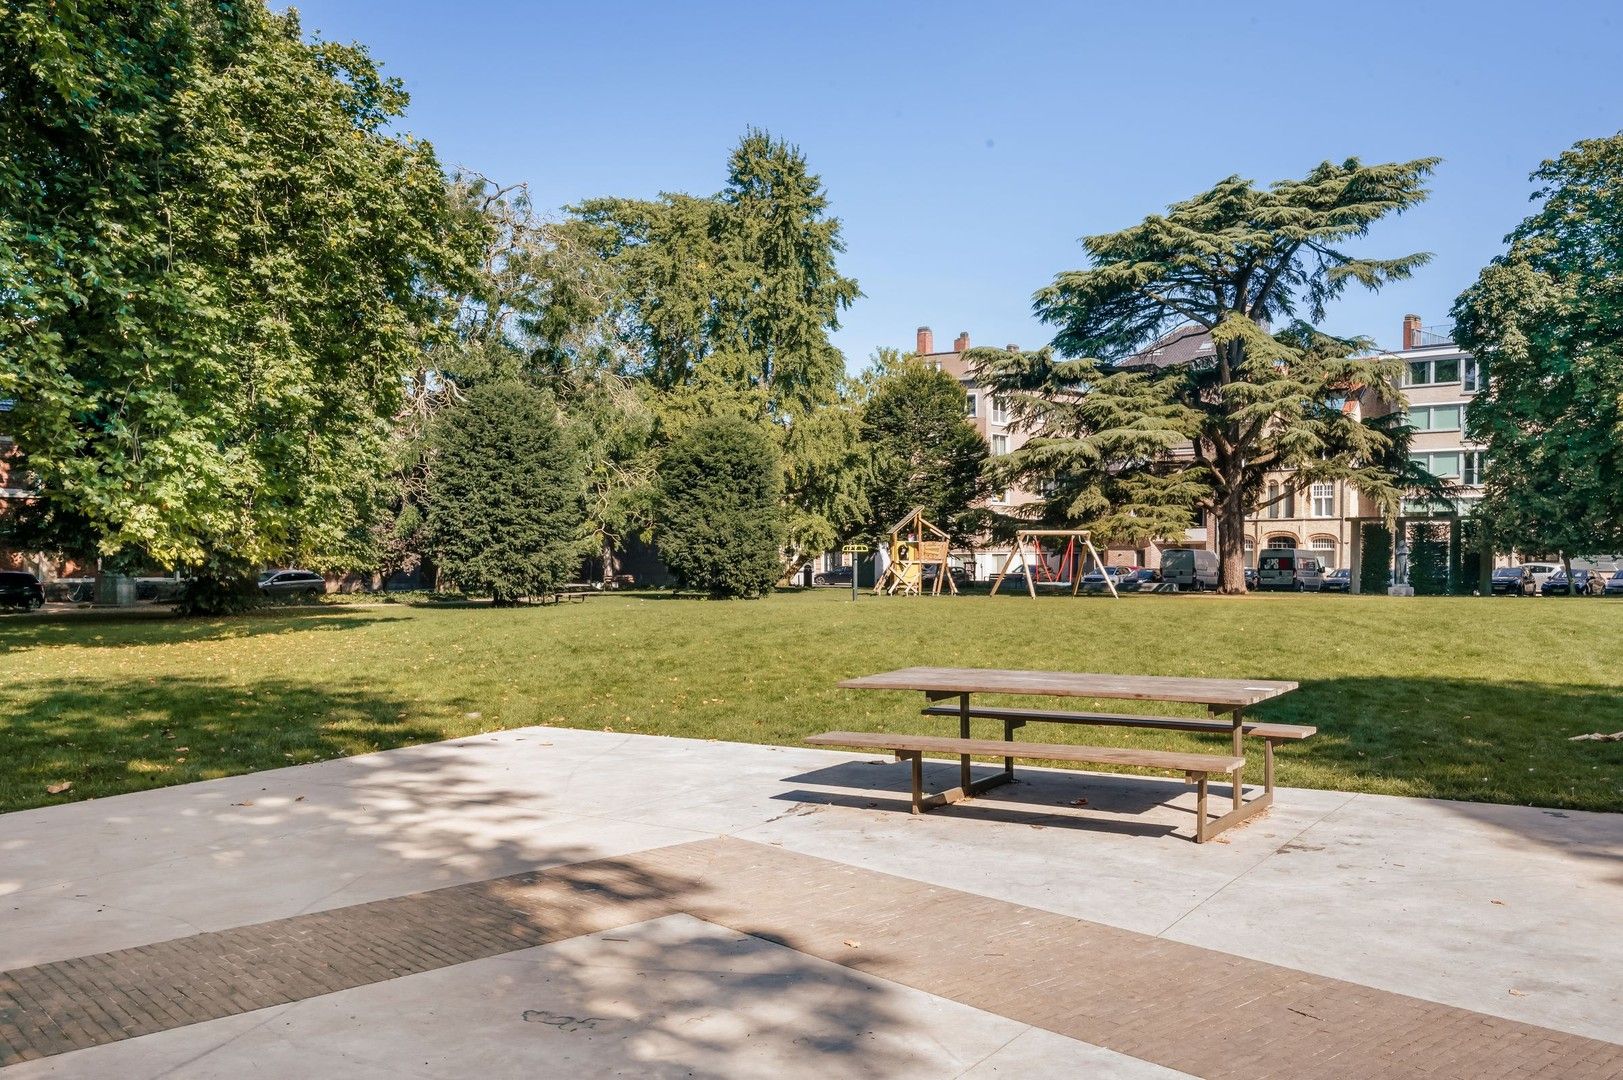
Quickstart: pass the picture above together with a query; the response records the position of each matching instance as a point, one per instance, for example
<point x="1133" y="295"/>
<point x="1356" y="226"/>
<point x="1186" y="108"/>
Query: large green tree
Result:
<point x="727" y="302"/>
<point x="1137" y="450"/>
<point x="1545" y="323"/>
<point x="923" y="451"/>
<point x="217" y="263"/>
<point x="720" y="524"/>
<point x="504" y="496"/>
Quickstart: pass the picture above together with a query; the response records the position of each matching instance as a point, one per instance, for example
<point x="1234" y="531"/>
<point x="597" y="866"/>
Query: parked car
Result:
<point x="1095" y="578"/>
<point x="960" y="576"/>
<point x="1614" y="584"/>
<point x="1513" y="581"/>
<point x="1253" y="580"/>
<point x="1337" y="581"/>
<point x="1537" y="574"/>
<point x="1189" y="568"/>
<point x="1145" y="580"/>
<point x="292" y="583"/>
<point x="19" y="589"/>
<point x="1290" y="568"/>
<point x="1584" y="583"/>
<point x="839" y="575"/>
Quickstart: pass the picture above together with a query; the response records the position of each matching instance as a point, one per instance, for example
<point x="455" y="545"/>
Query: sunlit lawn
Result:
<point x="1459" y="698"/>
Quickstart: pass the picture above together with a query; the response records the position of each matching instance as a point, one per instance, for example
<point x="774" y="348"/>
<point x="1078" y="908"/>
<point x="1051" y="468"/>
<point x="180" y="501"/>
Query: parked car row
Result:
<point x="1550" y="579"/>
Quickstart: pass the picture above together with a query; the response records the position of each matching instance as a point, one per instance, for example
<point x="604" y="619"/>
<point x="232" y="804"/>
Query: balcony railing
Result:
<point x="1427" y="336"/>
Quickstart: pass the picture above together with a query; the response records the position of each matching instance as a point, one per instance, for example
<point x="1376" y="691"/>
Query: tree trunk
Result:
<point x="1231" y="548"/>
<point x="608" y="564"/>
<point x="1566" y="564"/>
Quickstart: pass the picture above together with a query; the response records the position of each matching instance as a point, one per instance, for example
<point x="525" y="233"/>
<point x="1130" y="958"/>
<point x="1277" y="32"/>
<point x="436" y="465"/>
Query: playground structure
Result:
<point x="1067" y="568"/>
<point x="914" y="545"/>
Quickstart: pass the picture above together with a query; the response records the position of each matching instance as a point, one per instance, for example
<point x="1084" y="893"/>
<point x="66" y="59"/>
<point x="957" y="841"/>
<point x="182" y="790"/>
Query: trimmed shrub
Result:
<point x="504" y="502"/>
<point x="1377" y="560"/>
<point x="1428" y="560"/>
<point x="720" y="524"/>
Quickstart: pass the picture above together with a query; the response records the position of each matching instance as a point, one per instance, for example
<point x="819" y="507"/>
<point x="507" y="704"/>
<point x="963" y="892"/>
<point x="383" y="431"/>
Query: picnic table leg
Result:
<point x="1238" y="716"/>
<point x="963" y="733"/>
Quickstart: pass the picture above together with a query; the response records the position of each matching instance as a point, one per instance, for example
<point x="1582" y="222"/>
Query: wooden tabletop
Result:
<point x="1230" y="693"/>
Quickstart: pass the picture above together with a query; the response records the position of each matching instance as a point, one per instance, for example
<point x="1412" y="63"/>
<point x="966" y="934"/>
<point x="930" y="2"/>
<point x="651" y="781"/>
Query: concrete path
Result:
<point x="1502" y="911"/>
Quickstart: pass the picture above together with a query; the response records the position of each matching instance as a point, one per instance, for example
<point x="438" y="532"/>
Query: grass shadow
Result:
<point x="100" y="629"/>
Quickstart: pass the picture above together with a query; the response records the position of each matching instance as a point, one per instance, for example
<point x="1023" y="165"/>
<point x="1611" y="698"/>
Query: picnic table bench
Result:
<point x="1225" y="701"/>
<point x="563" y="593"/>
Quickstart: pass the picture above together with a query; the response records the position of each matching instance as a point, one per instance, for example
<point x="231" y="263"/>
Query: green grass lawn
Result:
<point x="1458" y="698"/>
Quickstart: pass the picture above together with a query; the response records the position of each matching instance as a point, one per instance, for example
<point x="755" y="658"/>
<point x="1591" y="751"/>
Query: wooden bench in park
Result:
<point x="1013" y="719"/>
<point x="912" y="748"/>
<point x="566" y="593"/>
<point x="1225" y="700"/>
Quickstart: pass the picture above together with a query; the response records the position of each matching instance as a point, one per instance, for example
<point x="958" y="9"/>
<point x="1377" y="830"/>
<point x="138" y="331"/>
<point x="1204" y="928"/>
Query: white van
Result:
<point x="1189" y="568"/>
<point x="1290" y="568"/>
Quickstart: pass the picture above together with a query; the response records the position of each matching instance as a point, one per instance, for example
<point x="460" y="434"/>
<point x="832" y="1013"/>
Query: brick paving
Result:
<point x="1197" y="1010"/>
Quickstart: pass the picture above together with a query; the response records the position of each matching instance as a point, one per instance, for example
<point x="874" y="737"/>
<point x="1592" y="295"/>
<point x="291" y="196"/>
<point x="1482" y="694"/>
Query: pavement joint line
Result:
<point x="1188" y="1008"/>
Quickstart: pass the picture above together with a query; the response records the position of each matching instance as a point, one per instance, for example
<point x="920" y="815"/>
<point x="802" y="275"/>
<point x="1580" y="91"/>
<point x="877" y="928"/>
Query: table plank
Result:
<point x="1228" y="693"/>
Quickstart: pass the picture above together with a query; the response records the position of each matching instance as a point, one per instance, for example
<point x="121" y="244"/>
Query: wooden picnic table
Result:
<point x="1225" y="700"/>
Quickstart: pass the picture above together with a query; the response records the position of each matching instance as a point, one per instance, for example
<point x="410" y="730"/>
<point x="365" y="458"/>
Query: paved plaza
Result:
<point x="556" y="902"/>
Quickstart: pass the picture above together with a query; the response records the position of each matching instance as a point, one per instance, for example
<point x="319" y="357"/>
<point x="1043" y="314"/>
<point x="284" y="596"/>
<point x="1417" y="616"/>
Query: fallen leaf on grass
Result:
<point x="59" y="787"/>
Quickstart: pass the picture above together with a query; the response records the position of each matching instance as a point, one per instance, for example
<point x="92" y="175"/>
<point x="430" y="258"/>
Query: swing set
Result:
<point x="1061" y="566"/>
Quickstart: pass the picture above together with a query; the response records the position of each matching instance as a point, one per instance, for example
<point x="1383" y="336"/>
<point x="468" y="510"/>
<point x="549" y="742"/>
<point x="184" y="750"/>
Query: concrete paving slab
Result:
<point x="1036" y="1052"/>
<point x="1395" y="893"/>
<point x="673" y="997"/>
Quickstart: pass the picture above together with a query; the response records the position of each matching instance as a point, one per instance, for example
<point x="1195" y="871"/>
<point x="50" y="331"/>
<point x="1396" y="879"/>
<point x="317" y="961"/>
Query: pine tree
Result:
<point x="504" y="498"/>
<point x="1136" y="451"/>
<point x="720" y="525"/>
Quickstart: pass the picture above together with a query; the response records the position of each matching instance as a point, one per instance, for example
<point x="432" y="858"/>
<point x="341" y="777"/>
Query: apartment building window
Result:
<point x="1437" y="417"/>
<point x="1324" y="500"/>
<point x="1470" y="381"/>
<point x="1471" y="472"/>
<point x="1290" y="502"/>
<point x="969" y="406"/>
<point x="1323" y="543"/>
<point x="1000" y="445"/>
<point x="1433" y="372"/>
<point x="1000" y="415"/>
<point x="1273" y="500"/>
<point x="1443" y="463"/>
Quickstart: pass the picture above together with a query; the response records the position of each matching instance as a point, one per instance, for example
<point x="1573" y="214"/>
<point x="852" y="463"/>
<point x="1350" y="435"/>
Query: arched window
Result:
<point x="1327" y="546"/>
<point x="1282" y="540"/>
<point x="1273" y="500"/>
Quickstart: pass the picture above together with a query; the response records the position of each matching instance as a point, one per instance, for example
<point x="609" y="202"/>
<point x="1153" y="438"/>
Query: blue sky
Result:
<point x="966" y="147"/>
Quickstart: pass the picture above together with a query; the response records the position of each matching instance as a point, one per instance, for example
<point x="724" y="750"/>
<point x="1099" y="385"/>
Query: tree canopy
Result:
<point x="1135" y="449"/>
<point x="1545" y="323"/>
<point x="217" y="263"/>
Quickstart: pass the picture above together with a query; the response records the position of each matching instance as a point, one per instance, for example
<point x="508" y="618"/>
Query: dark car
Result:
<point x="1337" y="581"/>
<point x="1614" y="584"/>
<point x="1584" y="583"/>
<point x="839" y="575"/>
<point x="20" y="590"/>
<point x="1512" y="581"/>
<point x="292" y="583"/>
<point x="959" y="575"/>
<point x="1145" y="580"/>
<point x="1252" y="578"/>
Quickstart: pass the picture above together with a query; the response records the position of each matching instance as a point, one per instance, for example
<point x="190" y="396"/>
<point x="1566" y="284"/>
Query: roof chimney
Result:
<point x="1411" y="331"/>
<point x="926" y="342"/>
<point x="961" y="343"/>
